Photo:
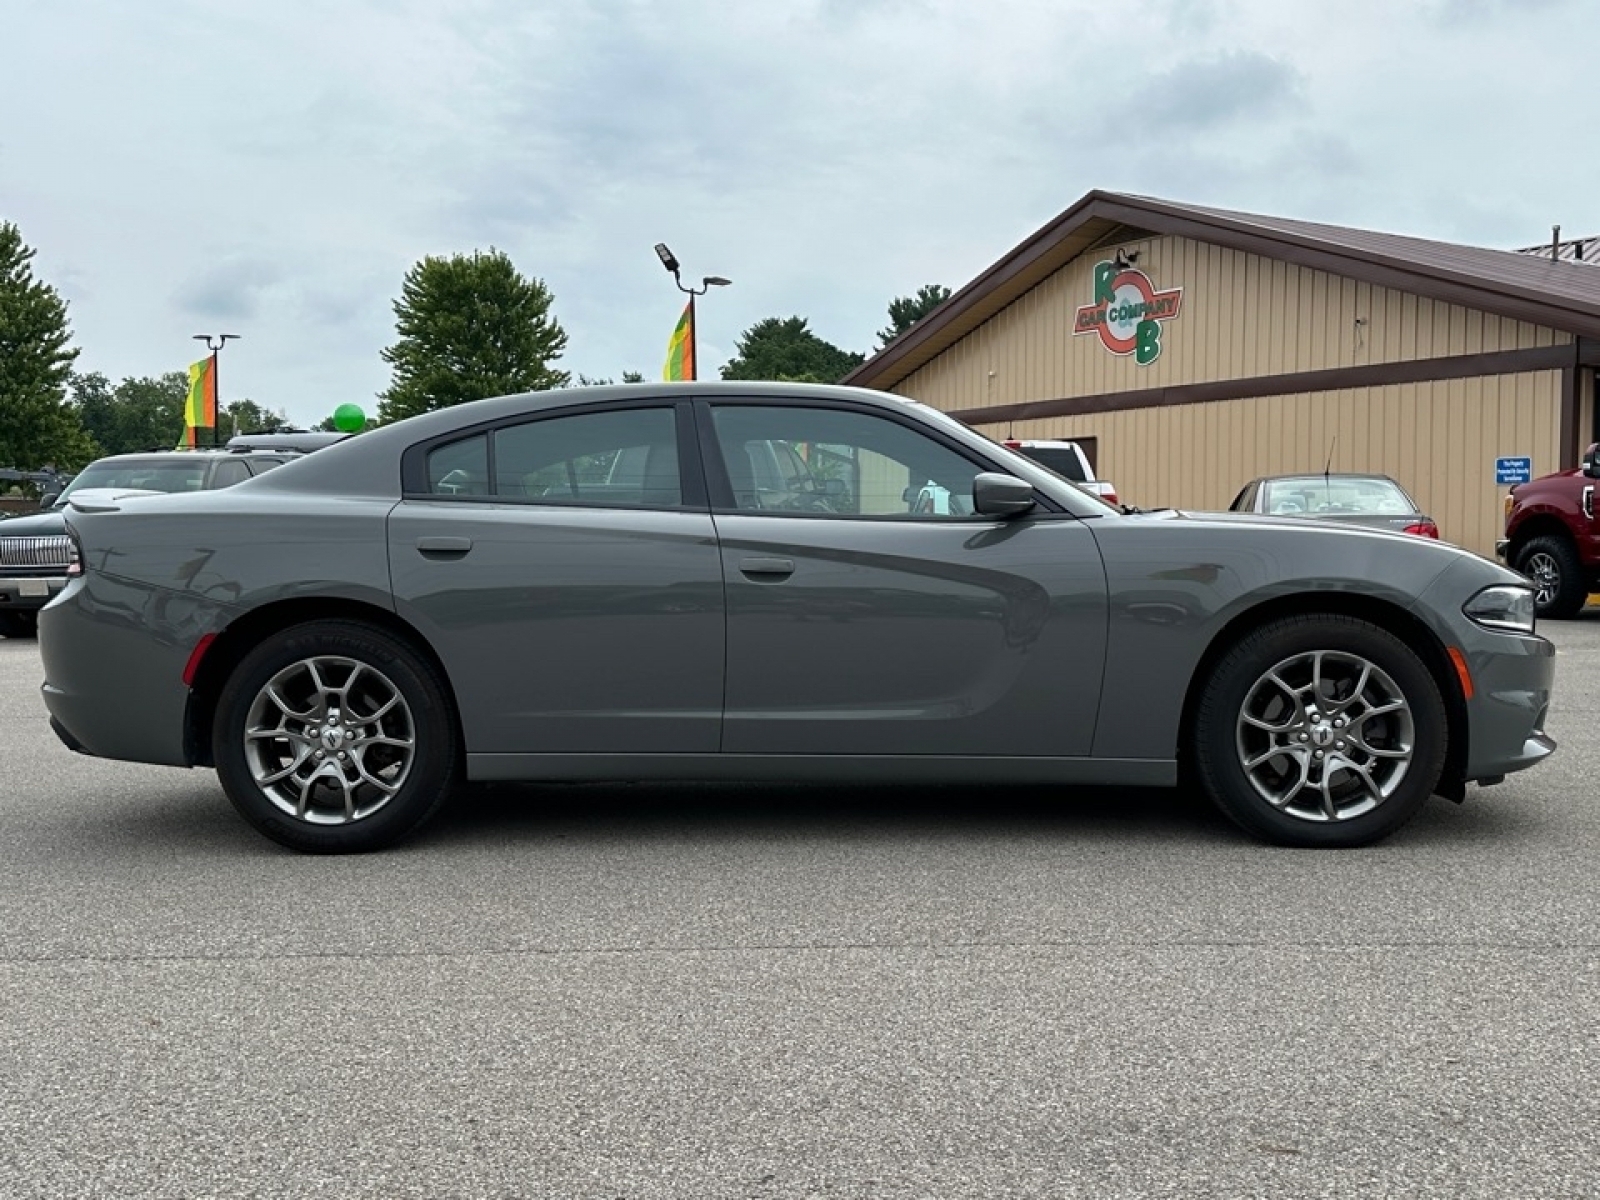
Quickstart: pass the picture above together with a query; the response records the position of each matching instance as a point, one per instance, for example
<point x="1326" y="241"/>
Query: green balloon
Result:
<point x="348" y="418"/>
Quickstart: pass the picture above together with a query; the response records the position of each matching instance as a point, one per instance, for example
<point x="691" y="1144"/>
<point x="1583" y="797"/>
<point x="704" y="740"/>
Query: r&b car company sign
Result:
<point x="1127" y="312"/>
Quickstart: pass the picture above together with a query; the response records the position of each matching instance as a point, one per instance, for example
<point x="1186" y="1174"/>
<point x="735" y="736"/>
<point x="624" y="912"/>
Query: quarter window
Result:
<point x="460" y="468"/>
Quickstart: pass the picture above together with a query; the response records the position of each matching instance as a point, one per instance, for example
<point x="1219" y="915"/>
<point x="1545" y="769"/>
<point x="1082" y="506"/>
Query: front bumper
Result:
<point x="27" y="593"/>
<point x="1512" y="679"/>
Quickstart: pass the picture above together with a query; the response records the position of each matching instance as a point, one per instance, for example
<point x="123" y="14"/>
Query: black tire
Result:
<point x="1370" y="790"/>
<point x="1552" y="564"/>
<point x="19" y="624"/>
<point x="345" y="763"/>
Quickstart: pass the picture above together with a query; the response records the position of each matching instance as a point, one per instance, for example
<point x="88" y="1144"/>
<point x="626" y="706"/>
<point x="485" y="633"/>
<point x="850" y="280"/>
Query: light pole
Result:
<point x="215" y="342"/>
<point x="706" y="283"/>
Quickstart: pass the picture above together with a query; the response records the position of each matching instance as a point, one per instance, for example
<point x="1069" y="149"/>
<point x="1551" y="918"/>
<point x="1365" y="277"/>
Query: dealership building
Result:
<point x="1193" y="349"/>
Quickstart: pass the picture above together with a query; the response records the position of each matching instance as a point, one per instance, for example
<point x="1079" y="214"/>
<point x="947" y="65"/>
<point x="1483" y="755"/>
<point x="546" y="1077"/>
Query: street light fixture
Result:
<point x="670" y="262"/>
<point x="215" y="342"/>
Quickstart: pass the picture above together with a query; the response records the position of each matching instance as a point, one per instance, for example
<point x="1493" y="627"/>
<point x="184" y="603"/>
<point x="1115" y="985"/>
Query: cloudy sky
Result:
<point x="273" y="169"/>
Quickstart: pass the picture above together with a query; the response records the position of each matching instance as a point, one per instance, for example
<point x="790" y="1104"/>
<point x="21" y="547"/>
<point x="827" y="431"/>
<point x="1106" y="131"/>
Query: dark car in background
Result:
<point x="599" y="584"/>
<point x="33" y="546"/>
<point x="1346" y="498"/>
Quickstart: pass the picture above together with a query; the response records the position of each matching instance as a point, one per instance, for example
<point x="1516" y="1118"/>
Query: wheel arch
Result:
<point x="1545" y="524"/>
<point x="1382" y="613"/>
<point x="244" y="634"/>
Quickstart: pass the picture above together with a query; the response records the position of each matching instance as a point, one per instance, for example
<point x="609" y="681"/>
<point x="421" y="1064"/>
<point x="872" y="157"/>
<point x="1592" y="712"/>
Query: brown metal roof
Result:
<point x="1560" y="295"/>
<point x="1583" y="250"/>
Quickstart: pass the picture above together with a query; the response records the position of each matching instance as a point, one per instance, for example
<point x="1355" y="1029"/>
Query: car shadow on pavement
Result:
<point x="724" y="809"/>
<point x="197" y="821"/>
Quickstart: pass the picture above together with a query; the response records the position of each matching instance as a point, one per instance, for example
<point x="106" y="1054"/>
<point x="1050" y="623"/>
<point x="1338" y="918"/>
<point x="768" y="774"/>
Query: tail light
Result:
<point x="1012" y="444"/>
<point x="1422" y="529"/>
<point x="74" y="554"/>
<point x="1106" y="491"/>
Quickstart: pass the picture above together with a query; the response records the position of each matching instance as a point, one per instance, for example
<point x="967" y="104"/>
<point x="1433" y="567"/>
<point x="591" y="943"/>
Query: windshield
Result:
<point x="1333" y="495"/>
<point x="151" y="475"/>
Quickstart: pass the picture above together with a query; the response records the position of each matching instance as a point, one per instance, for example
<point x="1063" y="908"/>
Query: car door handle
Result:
<point x="444" y="547"/>
<point x="769" y="568"/>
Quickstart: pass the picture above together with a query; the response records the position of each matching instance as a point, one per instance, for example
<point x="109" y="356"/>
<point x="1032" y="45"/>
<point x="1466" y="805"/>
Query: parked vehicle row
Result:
<point x="738" y="581"/>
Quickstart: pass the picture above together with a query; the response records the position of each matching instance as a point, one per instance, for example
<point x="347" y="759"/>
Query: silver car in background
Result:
<point x="1345" y="498"/>
<point x="728" y="581"/>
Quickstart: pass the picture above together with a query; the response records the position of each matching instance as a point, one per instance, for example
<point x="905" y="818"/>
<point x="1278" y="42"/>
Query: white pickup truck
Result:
<point x="1068" y="460"/>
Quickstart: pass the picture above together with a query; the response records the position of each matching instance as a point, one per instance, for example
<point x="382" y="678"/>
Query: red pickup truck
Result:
<point x="1553" y="537"/>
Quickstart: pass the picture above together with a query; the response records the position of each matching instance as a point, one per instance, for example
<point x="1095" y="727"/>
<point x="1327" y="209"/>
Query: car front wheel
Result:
<point x="1320" y="730"/>
<point x="335" y="737"/>
<point x="1553" y="567"/>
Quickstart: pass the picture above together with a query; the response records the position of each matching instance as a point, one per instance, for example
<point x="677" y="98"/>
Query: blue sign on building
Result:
<point x="1513" y="470"/>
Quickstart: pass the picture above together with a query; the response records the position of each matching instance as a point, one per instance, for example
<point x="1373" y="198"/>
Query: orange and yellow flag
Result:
<point x="680" y="349"/>
<point x="200" y="411"/>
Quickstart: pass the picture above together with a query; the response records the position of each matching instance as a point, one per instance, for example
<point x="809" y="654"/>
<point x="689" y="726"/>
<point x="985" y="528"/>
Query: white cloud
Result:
<point x="275" y="168"/>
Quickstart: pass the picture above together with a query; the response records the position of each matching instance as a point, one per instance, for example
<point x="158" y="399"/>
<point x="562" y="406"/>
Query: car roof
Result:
<point x="1326" y="475"/>
<point x="366" y="463"/>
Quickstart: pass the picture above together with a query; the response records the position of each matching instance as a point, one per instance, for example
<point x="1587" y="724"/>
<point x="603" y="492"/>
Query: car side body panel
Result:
<point x="1168" y="604"/>
<point x="922" y="637"/>
<point x="565" y="628"/>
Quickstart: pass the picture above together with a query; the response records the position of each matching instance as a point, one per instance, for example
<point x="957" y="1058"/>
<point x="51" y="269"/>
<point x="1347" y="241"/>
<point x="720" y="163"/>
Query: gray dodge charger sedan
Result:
<point x="734" y="581"/>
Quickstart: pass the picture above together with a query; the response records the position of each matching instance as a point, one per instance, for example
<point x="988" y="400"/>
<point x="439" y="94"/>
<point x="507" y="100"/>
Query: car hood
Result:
<point x="1306" y="526"/>
<point x="40" y="524"/>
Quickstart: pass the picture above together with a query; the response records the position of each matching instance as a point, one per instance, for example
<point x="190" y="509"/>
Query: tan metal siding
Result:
<point x="1243" y="316"/>
<point x="1438" y="439"/>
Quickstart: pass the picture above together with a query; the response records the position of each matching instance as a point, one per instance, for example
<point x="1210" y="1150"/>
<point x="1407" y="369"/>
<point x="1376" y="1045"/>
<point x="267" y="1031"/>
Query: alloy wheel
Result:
<point x="329" y="740"/>
<point x="1545" y="573"/>
<point x="1325" y="736"/>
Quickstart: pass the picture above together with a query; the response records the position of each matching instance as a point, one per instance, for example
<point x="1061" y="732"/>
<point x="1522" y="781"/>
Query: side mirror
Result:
<point x="997" y="495"/>
<point x="1591" y="461"/>
<point x="49" y="499"/>
<point x="834" y="487"/>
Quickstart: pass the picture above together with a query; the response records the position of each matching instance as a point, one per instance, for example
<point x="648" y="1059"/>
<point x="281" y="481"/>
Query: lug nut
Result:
<point x="1319" y="754"/>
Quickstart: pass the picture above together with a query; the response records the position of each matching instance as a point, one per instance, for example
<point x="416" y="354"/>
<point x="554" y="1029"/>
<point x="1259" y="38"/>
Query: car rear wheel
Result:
<point x="1320" y="730"/>
<point x="1552" y="565"/>
<point x="335" y="737"/>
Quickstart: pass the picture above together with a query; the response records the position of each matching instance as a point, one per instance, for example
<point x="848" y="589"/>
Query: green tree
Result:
<point x="470" y="327"/>
<point x="37" y="427"/>
<point x="906" y="311"/>
<point x="784" y="348"/>
<point x="606" y="381"/>
<point x="246" y="416"/>
<point x="136" y="414"/>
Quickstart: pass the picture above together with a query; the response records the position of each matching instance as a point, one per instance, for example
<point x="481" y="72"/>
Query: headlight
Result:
<point x="1507" y="607"/>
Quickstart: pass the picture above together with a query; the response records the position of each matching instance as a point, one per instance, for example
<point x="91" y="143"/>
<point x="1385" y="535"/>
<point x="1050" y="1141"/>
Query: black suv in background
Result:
<point x="33" y="546"/>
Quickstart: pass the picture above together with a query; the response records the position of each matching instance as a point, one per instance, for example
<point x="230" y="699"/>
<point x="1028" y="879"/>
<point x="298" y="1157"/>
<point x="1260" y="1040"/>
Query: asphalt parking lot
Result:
<point x="678" y="992"/>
